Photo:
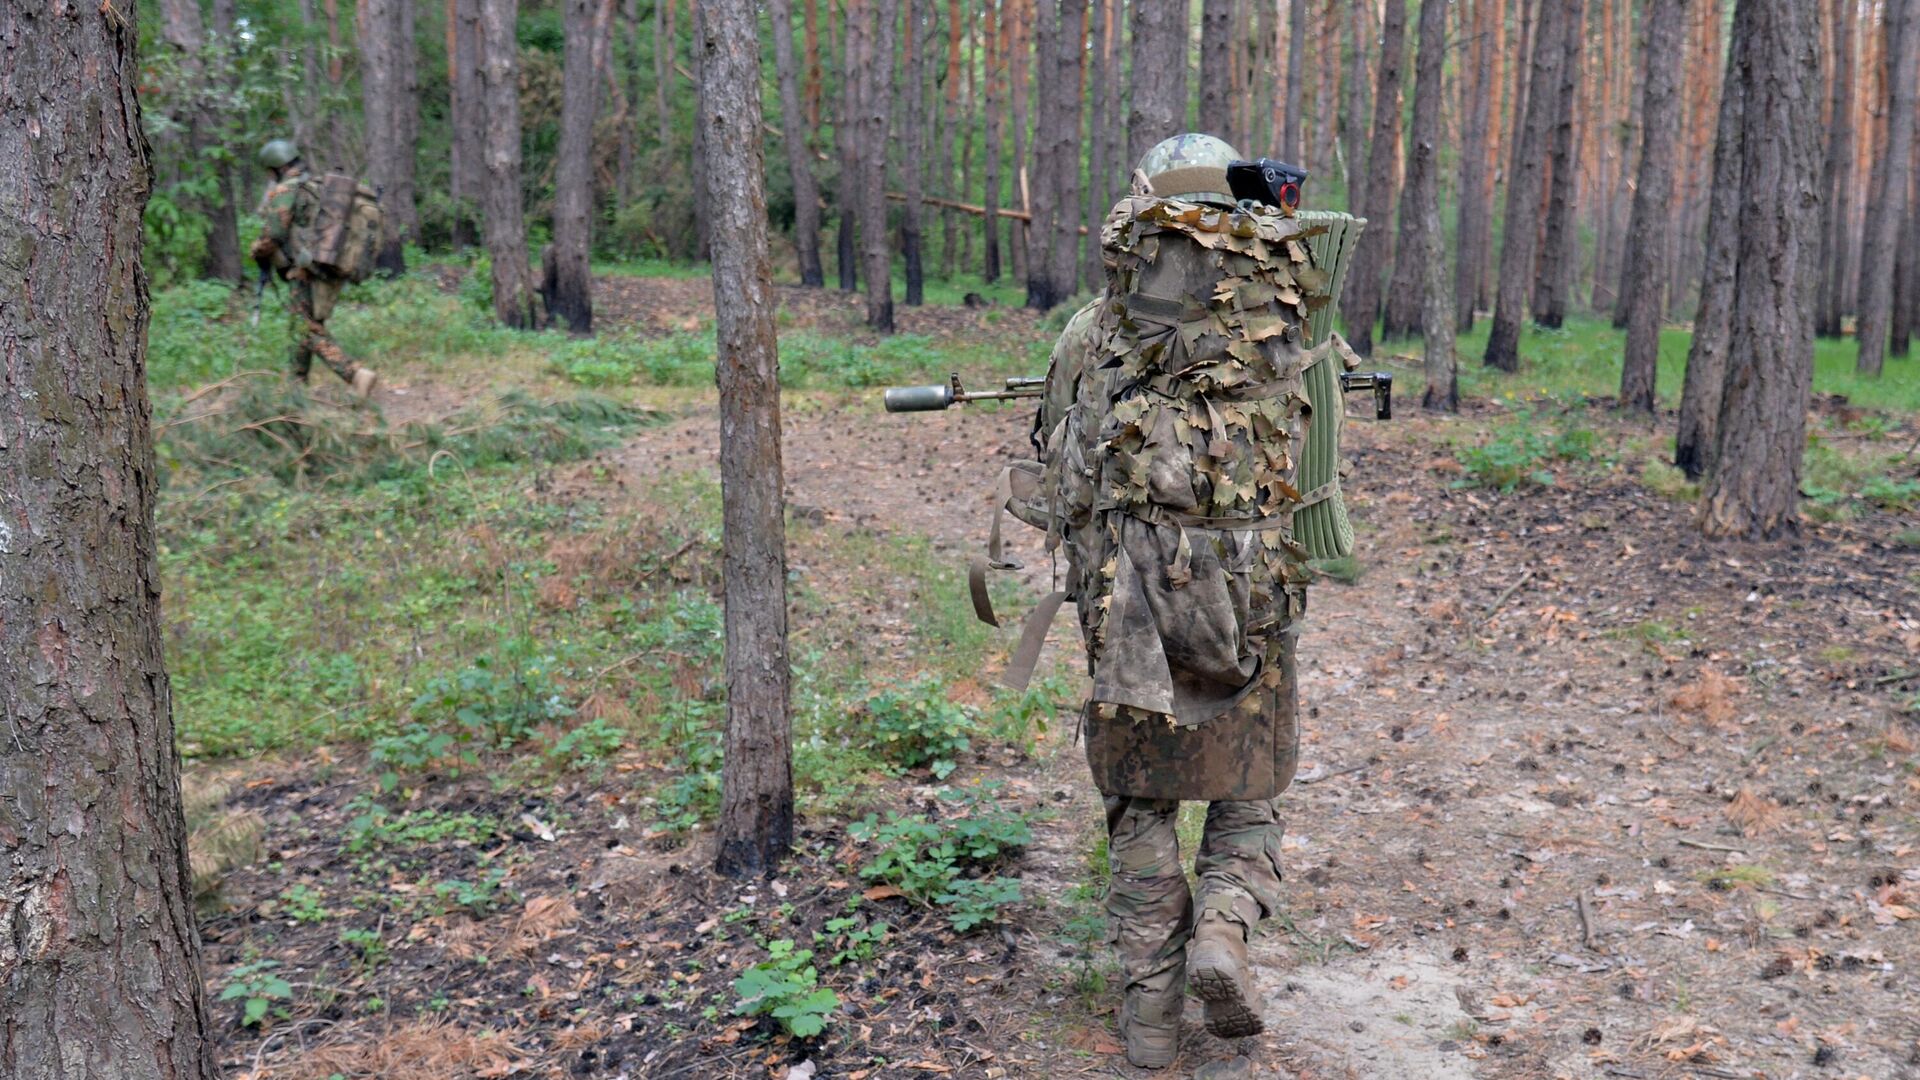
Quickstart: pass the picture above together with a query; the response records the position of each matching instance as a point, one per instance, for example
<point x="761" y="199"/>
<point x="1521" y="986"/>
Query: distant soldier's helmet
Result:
<point x="1191" y="167"/>
<point x="279" y="154"/>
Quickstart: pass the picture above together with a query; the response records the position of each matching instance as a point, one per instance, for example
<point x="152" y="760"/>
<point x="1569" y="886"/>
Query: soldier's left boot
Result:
<point x="1217" y="970"/>
<point x="1150" y="1025"/>
<point x="363" y="381"/>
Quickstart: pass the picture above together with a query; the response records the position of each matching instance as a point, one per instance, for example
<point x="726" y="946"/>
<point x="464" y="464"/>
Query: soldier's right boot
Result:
<point x="1217" y="968"/>
<point x="363" y="381"/>
<point x="1150" y="1025"/>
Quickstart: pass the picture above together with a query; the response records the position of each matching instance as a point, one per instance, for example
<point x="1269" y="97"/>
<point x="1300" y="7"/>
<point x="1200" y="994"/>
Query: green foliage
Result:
<point x="856" y="943"/>
<point x="1841" y="485"/>
<point x="373" y="827"/>
<point x="1020" y="717"/>
<point x="692" y="731"/>
<point x="930" y="862"/>
<point x="256" y="986"/>
<point x="808" y="360"/>
<point x="369" y="948"/>
<point x="594" y="741"/>
<point x="786" y="986"/>
<point x="918" y="726"/>
<point x="974" y="902"/>
<point x="303" y="904"/>
<point x="489" y="705"/>
<point x="1519" y="453"/>
<point x="478" y="898"/>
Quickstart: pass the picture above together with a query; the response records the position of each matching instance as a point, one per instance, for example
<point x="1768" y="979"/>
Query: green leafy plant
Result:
<point x="256" y="987"/>
<point x="478" y="898"/>
<point x="369" y="948"/>
<point x="303" y="904"/>
<point x="935" y="863"/>
<point x="919" y="726"/>
<point x="595" y="740"/>
<point x="856" y="943"/>
<point x="786" y="986"/>
<point x="1521" y="452"/>
<point x="975" y="902"/>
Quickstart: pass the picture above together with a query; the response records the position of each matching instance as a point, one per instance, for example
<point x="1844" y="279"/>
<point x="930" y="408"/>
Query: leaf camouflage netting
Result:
<point x="266" y="427"/>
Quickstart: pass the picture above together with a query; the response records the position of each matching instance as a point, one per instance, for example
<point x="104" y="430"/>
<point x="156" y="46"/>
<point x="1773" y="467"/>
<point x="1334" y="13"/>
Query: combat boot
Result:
<point x="1217" y="967"/>
<point x="1150" y="1026"/>
<point x="363" y="381"/>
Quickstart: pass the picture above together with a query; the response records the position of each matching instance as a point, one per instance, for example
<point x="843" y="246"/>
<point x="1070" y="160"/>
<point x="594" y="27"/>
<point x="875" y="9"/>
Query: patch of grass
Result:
<point x="1522" y="452"/>
<point x="808" y="360"/>
<point x="1345" y="570"/>
<point x="1840" y="485"/>
<point x="1727" y="878"/>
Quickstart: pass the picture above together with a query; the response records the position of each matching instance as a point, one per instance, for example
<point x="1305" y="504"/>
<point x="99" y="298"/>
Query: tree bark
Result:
<point x="568" y="288"/>
<point x="466" y="129"/>
<point x="1427" y="246"/>
<point x="1761" y="439"/>
<point x="99" y="949"/>
<point x="1406" y="303"/>
<point x="1359" y="30"/>
<point x="182" y="29"/>
<point x="846" y="137"/>
<point x="1887" y="200"/>
<point x="913" y="100"/>
<point x="876" y="102"/>
<point x="390" y="106"/>
<point x="1836" y="230"/>
<point x="1064" y="107"/>
<point x="755" y="831"/>
<point x="953" y="120"/>
<point x="1700" y="393"/>
<point x="996" y="81"/>
<point x="1019" y="15"/>
<point x="1159" y="77"/>
<point x="514" y="301"/>
<point x="1216" y="68"/>
<point x="1361" y="304"/>
<point x="1524" y="187"/>
<point x="1559" y="247"/>
<point x="1646" y="262"/>
<point x="1293" y="138"/>
<point x="1474" y="225"/>
<point x="1100" y="167"/>
<point x="793" y="124"/>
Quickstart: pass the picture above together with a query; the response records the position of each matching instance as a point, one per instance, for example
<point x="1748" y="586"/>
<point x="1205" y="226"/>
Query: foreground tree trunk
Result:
<point x="1159" y="78"/>
<point x="1559" y="247"/>
<point x="1700" y="393"/>
<point x="1836" y="230"/>
<point x="1405" y="313"/>
<point x="793" y="124"/>
<point x="1361" y="304"/>
<point x="390" y="103"/>
<point x="1755" y="485"/>
<point x="1887" y="201"/>
<point x="514" y="302"/>
<point x="99" y="950"/>
<point x="1423" y="184"/>
<point x="1645" y="284"/>
<point x="568" y="288"/>
<point x="756" y="808"/>
<point x="1523" y="187"/>
<point x="876" y="109"/>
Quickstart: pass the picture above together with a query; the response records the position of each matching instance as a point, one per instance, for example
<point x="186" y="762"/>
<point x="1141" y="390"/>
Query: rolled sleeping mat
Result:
<point x="1323" y="527"/>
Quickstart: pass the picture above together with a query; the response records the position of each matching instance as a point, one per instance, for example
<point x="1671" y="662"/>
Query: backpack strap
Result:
<point x="1033" y="637"/>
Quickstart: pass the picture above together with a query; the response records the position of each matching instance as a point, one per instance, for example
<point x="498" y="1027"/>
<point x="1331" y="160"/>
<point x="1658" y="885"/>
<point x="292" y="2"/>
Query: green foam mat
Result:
<point x="1324" y="528"/>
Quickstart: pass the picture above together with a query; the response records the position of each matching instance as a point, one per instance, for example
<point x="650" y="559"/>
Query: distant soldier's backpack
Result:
<point x="337" y="228"/>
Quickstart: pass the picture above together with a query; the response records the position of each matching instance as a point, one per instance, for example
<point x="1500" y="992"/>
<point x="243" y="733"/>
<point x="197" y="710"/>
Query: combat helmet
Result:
<point x="1190" y="166"/>
<point x="278" y="154"/>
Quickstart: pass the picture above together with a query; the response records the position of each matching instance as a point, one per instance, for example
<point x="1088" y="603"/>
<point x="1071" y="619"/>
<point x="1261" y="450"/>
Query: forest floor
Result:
<point x="1583" y="795"/>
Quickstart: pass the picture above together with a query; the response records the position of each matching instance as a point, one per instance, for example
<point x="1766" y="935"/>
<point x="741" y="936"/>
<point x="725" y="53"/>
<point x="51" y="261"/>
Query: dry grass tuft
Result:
<point x="218" y="839"/>
<point x="421" y="1050"/>
<point x="1708" y="698"/>
<point x="1753" y="814"/>
<point x="545" y="918"/>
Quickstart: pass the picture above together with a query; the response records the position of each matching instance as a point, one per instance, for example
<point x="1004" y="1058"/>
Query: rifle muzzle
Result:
<point x="918" y="398"/>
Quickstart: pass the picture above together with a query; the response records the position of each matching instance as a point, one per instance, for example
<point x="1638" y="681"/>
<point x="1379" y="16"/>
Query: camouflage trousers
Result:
<point x="1150" y="911"/>
<point x="309" y="303"/>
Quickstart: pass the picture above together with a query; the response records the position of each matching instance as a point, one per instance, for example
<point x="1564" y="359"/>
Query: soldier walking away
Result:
<point x="1172" y="430"/>
<point x="318" y="235"/>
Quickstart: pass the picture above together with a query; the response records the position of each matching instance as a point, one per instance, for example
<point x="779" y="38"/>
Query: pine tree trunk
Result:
<point x="1407" y="300"/>
<point x="814" y="90"/>
<point x="1159" y="78"/>
<point x="755" y="830"/>
<point x="514" y="301"/>
<point x="1216" y="68"/>
<point x="950" y="95"/>
<point x="1359" y="30"/>
<point x="1906" y="290"/>
<point x="702" y="211"/>
<point x="793" y="130"/>
<point x="1700" y="394"/>
<point x="1293" y="139"/>
<point x="1361" y="304"/>
<point x="1063" y="230"/>
<point x="1836" y="229"/>
<point x="996" y="81"/>
<point x="1559" y="246"/>
<point x="466" y="135"/>
<point x="1755" y="483"/>
<point x="182" y="29"/>
<point x="1612" y="274"/>
<point x="1524" y="186"/>
<point x="1019" y="41"/>
<point x="1426" y="245"/>
<point x="846" y="137"/>
<point x="568" y="287"/>
<point x="1474" y="225"/>
<point x="1646" y="264"/>
<point x="913" y="100"/>
<point x="101" y="955"/>
<point x="876" y="103"/>
<point x="389" y="95"/>
<point x="1887" y="199"/>
<point x="1100" y="168"/>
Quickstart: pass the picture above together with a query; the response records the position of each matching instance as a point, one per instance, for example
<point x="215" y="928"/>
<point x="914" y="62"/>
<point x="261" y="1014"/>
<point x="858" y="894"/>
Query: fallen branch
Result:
<point x="1585" y="911"/>
<point x="970" y="208"/>
<point x="1505" y="595"/>
<point x="1704" y="846"/>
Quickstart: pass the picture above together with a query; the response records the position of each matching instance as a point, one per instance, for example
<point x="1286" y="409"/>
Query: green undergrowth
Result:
<point x="809" y="360"/>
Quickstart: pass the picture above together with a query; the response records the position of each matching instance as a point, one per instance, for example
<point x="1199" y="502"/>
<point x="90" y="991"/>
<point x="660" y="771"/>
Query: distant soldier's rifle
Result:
<point x="946" y="395"/>
<point x="260" y="291"/>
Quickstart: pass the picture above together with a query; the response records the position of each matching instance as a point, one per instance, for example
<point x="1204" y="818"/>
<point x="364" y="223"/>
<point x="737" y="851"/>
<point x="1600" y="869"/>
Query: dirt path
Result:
<point x="1584" y="797"/>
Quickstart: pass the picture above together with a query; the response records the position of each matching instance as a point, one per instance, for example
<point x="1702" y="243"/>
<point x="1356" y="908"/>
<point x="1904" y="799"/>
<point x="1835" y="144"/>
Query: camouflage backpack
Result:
<point x="336" y="229"/>
<point x="1169" y="442"/>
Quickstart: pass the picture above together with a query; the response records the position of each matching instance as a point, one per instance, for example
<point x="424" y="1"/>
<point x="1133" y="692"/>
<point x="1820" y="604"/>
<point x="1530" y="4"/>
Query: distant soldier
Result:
<point x="318" y="234"/>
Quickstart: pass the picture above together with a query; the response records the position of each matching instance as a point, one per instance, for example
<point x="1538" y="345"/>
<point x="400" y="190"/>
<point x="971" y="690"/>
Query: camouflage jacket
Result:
<point x="278" y="209"/>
